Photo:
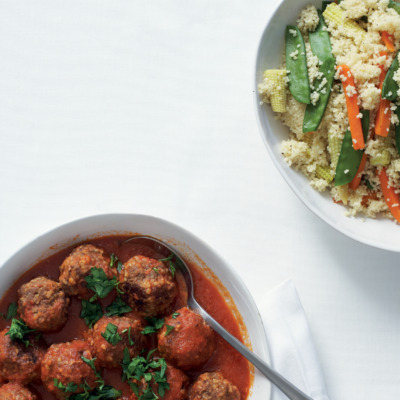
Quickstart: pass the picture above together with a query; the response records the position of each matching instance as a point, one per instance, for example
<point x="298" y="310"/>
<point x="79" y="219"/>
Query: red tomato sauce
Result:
<point x="225" y="359"/>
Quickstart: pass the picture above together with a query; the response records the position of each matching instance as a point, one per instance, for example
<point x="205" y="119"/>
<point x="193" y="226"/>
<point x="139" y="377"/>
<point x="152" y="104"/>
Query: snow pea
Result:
<point x="397" y="130"/>
<point x="296" y="64"/>
<point x="320" y="47"/>
<point x="390" y="86"/>
<point x="395" y="5"/>
<point x="350" y="159"/>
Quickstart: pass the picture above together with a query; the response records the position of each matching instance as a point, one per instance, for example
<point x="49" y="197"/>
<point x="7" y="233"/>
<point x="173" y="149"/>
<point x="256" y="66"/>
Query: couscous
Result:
<point x="338" y="92"/>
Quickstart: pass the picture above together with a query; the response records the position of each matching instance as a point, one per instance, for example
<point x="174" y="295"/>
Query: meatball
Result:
<point x="190" y="343"/>
<point x="63" y="361"/>
<point x="178" y="385"/>
<point x="42" y="304"/>
<point x="17" y="361"/>
<point x="148" y="285"/>
<point x="129" y="330"/>
<point x="213" y="386"/>
<point x="15" y="391"/>
<point x="77" y="266"/>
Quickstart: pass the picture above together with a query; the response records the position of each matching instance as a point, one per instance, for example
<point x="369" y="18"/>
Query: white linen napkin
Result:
<point x="290" y="344"/>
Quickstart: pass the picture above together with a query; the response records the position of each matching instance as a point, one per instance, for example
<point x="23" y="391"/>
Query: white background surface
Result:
<point x="147" y="107"/>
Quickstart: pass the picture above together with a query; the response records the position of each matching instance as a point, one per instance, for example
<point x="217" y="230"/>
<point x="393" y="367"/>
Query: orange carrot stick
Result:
<point x="352" y="106"/>
<point x="355" y="183"/>
<point x="391" y="197"/>
<point x="382" y="120"/>
<point x="388" y="39"/>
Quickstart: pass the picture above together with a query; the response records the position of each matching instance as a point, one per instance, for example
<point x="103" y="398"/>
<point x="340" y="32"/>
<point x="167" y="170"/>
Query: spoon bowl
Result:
<point x="172" y="256"/>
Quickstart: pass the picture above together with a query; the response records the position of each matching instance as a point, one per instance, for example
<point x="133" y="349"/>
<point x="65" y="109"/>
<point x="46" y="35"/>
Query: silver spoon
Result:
<point x="278" y="380"/>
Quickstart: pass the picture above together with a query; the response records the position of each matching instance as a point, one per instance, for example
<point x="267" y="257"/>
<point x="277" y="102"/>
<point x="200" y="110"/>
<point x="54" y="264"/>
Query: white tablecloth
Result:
<point x="147" y="107"/>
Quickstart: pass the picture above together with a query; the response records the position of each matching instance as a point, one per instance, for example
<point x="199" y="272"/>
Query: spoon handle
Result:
<point x="277" y="379"/>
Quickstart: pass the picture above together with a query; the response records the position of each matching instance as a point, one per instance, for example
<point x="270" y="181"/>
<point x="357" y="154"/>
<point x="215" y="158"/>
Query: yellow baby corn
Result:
<point x="278" y="95"/>
<point x="324" y="173"/>
<point x="343" y="192"/>
<point x="335" y="15"/>
<point x="382" y="159"/>
<point x="335" y="145"/>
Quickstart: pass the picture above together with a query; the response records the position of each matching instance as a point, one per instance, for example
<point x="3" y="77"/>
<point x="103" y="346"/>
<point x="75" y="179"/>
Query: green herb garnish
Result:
<point x="175" y="315"/>
<point x="115" y="259"/>
<point x="148" y="370"/>
<point x="171" y="264"/>
<point x="154" y="324"/>
<point x="111" y="334"/>
<point x="98" y="281"/>
<point x="170" y="328"/>
<point x="117" y="307"/>
<point x="19" y="331"/>
<point x="11" y="311"/>
<point x="91" y="312"/>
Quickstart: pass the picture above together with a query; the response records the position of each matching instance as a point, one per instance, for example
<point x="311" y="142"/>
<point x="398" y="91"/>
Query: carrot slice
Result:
<point x="388" y="39"/>
<point x="391" y="197"/>
<point x="352" y="106"/>
<point x="368" y="197"/>
<point x="355" y="183"/>
<point x="382" y="120"/>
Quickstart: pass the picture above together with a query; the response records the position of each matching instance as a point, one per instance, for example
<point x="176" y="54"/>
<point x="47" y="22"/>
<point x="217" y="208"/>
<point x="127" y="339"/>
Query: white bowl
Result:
<point x="381" y="233"/>
<point x="186" y="243"/>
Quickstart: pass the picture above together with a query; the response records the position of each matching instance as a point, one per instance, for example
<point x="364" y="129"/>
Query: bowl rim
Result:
<point x="313" y="208"/>
<point x="201" y="246"/>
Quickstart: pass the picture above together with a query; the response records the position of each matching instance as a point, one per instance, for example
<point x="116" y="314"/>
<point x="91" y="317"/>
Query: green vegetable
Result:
<point x="170" y="328"/>
<point x="350" y="159"/>
<point x="395" y="5"/>
<point x="175" y="315"/>
<point x="19" y="331"/>
<point x="111" y="334"/>
<point x="154" y="325"/>
<point x="117" y="307"/>
<point x="321" y="48"/>
<point x="98" y="281"/>
<point x="172" y="262"/>
<point x="11" y="311"/>
<point x="296" y="64"/>
<point x="148" y="371"/>
<point x="390" y="86"/>
<point x="397" y="130"/>
<point x="115" y="259"/>
<point x="69" y="388"/>
<point x="91" y="312"/>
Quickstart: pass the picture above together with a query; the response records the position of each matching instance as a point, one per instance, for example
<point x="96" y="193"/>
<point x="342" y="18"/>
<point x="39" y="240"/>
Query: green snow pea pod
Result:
<point x="320" y="47"/>
<point x="296" y="64"/>
<point x="390" y="86"/>
<point x="397" y="130"/>
<point x="395" y="5"/>
<point x="350" y="159"/>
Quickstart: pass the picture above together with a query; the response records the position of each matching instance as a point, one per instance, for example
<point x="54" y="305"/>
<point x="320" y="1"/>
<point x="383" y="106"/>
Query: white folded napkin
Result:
<point x="291" y="348"/>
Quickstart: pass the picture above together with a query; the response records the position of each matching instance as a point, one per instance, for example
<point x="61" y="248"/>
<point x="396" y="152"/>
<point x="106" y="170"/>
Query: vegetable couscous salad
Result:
<point x="338" y="92"/>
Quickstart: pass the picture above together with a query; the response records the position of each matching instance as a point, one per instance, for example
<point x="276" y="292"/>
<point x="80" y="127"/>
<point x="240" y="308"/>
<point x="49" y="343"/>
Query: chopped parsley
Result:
<point x="115" y="259"/>
<point x="147" y="370"/>
<point x="170" y="328"/>
<point x="111" y="334"/>
<point x="70" y="388"/>
<point x="117" y="307"/>
<point x="11" y="311"/>
<point x="171" y="264"/>
<point x="154" y="324"/>
<point x="19" y="331"/>
<point x="131" y="342"/>
<point x="91" y="312"/>
<point x="175" y="315"/>
<point x="98" y="281"/>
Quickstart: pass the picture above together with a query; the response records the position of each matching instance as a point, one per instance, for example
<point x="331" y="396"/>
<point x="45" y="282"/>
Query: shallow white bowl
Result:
<point x="381" y="233"/>
<point x="182" y="240"/>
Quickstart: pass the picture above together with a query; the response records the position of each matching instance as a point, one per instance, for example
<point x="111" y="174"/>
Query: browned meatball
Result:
<point x="148" y="285"/>
<point x="178" y="385"/>
<point x="191" y="341"/>
<point x="17" y="361"/>
<point x="15" y="391"/>
<point x="213" y="386"/>
<point x="63" y="361"/>
<point x="129" y="335"/>
<point x="77" y="266"/>
<point x="42" y="304"/>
